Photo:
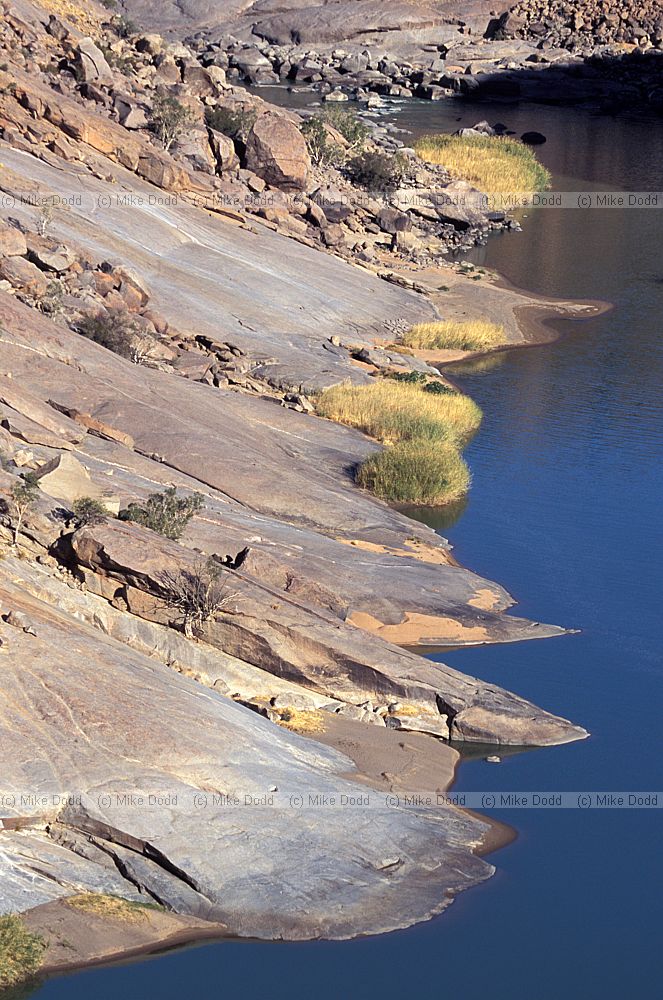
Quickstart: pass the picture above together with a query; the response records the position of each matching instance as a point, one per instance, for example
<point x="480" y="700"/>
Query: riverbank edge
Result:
<point x="427" y="760"/>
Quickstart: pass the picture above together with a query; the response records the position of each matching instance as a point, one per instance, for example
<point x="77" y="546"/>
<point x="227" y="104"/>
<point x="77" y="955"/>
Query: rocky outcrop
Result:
<point x="276" y="151"/>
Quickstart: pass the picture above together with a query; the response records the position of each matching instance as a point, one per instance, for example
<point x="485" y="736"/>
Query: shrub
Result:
<point x="235" y="124"/>
<point x="495" y="165"/>
<point x="124" y="27"/>
<point x="169" y="119"/>
<point x="419" y="472"/>
<point x="392" y="411"/>
<point x="20" y="951"/>
<point x="412" y="378"/>
<point x="165" y="513"/>
<point x="464" y="335"/>
<point x="348" y="124"/>
<point x="112" y="329"/>
<point x="88" y="511"/>
<point x="437" y="388"/>
<point x="197" y="594"/>
<point x="378" y="171"/>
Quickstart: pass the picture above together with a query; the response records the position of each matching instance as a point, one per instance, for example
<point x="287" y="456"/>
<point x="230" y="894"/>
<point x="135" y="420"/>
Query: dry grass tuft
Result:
<point x="494" y="165"/>
<point x="21" y="951"/>
<point x="110" y="907"/>
<point x="467" y="335"/>
<point x="302" y="721"/>
<point x="417" y="472"/>
<point x="392" y="411"/>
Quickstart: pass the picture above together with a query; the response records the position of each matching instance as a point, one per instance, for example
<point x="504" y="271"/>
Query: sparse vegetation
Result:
<point x="88" y="511"/>
<point x="197" y="594"/>
<point x="169" y="119"/>
<point x="165" y="513"/>
<point x="378" y="171"/>
<point x="493" y="164"/>
<point x="420" y="472"/>
<point x="45" y="215"/>
<point x="21" y="951"/>
<point x="112" y="329"/>
<point x="463" y="335"/>
<point x="111" y="907"/>
<point x="124" y="27"/>
<point x="391" y="411"/>
<point x="235" y="124"/>
<point x="318" y="131"/>
<point x="23" y="497"/>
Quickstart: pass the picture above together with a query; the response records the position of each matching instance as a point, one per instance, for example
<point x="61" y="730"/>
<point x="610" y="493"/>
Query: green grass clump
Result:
<point x="21" y="951"/>
<point x="467" y="335"/>
<point x="424" y="429"/>
<point x="419" y="472"/>
<point x="391" y="412"/>
<point x="493" y="164"/>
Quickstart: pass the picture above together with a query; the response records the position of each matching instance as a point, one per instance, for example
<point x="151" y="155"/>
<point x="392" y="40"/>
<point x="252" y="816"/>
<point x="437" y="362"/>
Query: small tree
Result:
<point x="348" y="124"/>
<point x="45" y="215"/>
<point x="169" y="119"/>
<point x="197" y="594"/>
<point x="88" y="511"/>
<point x="23" y="496"/>
<point x="165" y="513"/>
<point x="322" y="150"/>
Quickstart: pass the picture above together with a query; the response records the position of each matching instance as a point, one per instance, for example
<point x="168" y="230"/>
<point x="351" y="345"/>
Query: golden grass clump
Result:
<point x="392" y="412"/>
<point x="419" y="472"/>
<point x="110" y="907"/>
<point x="466" y="335"/>
<point x="21" y="951"/>
<point x="302" y="721"/>
<point x="493" y="164"/>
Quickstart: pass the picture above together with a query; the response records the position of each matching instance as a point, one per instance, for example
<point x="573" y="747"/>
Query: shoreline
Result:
<point x="417" y="761"/>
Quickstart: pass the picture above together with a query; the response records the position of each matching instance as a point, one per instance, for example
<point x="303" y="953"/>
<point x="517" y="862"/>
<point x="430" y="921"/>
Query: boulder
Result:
<point x="12" y="242"/>
<point x="533" y="138"/>
<point x="93" y="65"/>
<point x="276" y="151"/>
<point x="23" y="275"/>
<point x="65" y="478"/>
<point x="390" y="220"/>
<point x="223" y="149"/>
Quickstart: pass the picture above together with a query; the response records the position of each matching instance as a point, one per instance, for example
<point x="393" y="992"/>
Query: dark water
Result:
<point x="566" y="510"/>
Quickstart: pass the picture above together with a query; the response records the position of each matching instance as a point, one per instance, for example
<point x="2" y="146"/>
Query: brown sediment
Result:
<point x="419" y="629"/>
<point x="485" y="600"/>
<point x="406" y="763"/>
<point x="415" y="549"/>
<point x="77" y="939"/>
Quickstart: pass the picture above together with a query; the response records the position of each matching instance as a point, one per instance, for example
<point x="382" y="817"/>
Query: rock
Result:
<point x="23" y="275"/>
<point x="65" y="478"/>
<point x="12" y="241"/>
<point x="533" y="138"/>
<point x="300" y="702"/>
<point x="19" y="620"/>
<point x="58" y="260"/>
<point x="431" y="724"/>
<point x="93" y="65"/>
<point x="336" y="96"/>
<point x="224" y="152"/>
<point x="130" y="114"/>
<point x="276" y="151"/>
<point x="391" y="220"/>
<point x="493" y="759"/>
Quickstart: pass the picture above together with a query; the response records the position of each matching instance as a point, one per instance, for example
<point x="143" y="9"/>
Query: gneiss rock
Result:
<point x="93" y="65"/>
<point x="276" y="151"/>
<point x="12" y="241"/>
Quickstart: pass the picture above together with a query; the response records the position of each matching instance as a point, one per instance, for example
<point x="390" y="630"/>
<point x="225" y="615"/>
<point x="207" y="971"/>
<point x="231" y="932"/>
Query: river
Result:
<point x="566" y="511"/>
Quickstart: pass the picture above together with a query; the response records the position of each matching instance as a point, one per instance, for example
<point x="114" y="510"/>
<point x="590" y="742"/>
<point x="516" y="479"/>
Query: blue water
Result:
<point x="566" y="510"/>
